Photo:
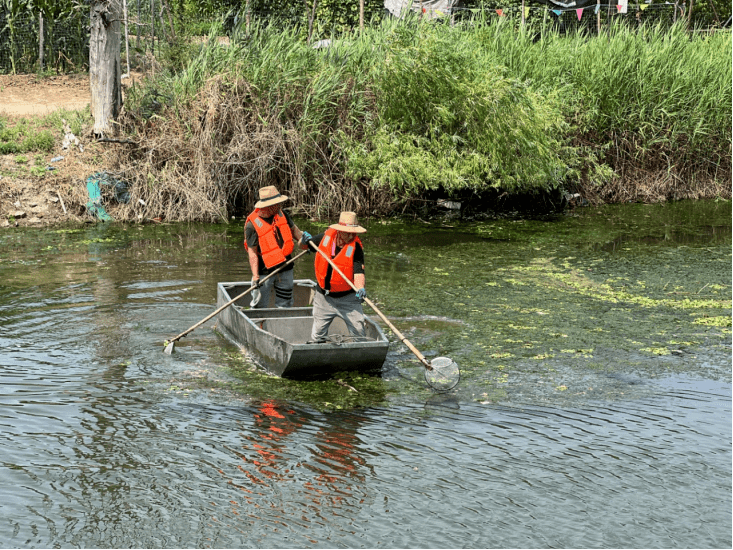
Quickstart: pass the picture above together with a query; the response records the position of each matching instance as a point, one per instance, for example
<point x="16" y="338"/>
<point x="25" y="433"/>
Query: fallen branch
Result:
<point x="345" y="385"/>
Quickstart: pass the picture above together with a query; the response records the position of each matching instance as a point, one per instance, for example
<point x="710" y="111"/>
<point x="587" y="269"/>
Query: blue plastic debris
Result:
<point x="94" y="205"/>
<point x="94" y="183"/>
<point x="56" y="159"/>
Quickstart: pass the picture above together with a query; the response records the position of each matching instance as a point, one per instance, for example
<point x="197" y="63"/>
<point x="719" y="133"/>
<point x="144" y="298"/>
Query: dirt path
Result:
<point x="29" y="95"/>
<point x="56" y="196"/>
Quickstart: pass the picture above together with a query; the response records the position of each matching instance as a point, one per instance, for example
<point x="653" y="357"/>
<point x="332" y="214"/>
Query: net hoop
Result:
<point x="444" y="375"/>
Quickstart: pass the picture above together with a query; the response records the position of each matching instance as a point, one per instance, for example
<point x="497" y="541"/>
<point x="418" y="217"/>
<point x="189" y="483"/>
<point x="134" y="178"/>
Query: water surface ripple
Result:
<point x="107" y="442"/>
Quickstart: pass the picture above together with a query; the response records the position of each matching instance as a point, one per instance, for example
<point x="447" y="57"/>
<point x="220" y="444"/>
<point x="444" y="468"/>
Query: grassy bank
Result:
<point x="410" y="110"/>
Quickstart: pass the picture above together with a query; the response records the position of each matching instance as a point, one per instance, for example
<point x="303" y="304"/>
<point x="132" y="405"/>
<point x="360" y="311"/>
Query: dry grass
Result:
<point x="209" y="160"/>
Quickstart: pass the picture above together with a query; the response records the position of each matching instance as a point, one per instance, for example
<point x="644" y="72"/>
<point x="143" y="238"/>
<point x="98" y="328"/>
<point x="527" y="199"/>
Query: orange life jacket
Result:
<point x="270" y="251"/>
<point x="344" y="260"/>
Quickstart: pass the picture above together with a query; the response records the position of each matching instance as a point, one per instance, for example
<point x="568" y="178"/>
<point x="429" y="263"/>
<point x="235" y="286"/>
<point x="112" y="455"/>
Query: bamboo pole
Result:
<point x="598" y="17"/>
<point x="361" y="15"/>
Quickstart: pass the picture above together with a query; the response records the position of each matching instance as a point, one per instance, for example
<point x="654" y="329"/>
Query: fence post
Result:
<point x="40" y="41"/>
<point x="246" y="16"/>
<point x="523" y="21"/>
<point x="310" y="20"/>
<point x="598" y="17"/>
<point x="170" y="19"/>
<point x="361" y="15"/>
<point x="152" y="26"/>
<point x="127" y="44"/>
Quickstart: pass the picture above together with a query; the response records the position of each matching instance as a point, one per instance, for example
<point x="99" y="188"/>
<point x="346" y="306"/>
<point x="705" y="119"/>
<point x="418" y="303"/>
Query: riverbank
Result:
<point x="397" y="120"/>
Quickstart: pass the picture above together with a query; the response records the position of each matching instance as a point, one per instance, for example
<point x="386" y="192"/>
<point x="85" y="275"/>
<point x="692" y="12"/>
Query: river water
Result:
<point x="594" y="408"/>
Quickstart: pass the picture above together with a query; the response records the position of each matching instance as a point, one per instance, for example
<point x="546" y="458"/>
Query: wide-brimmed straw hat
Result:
<point x="348" y="224"/>
<point x="269" y="196"/>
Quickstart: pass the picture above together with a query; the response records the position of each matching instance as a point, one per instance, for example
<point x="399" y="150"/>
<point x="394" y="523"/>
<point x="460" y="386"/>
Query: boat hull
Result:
<point x="277" y="338"/>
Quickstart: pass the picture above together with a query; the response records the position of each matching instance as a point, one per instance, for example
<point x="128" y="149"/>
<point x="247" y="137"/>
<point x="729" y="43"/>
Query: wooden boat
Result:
<point x="277" y="338"/>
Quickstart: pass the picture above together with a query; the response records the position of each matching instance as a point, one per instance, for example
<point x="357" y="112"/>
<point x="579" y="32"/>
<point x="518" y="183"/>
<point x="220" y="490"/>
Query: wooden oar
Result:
<point x="448" y="377"/>
<point x="171" y="344"/>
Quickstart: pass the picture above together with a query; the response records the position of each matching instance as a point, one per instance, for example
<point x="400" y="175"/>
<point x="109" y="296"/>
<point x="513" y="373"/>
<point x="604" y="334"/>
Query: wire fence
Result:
<point x="31" y="44"/>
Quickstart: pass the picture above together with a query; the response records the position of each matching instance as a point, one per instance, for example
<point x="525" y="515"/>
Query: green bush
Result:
<point x="451" y="117"/>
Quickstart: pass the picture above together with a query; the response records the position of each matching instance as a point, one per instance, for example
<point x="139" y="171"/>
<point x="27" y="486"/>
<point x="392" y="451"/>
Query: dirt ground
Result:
<point x="41" y="190"/>
<point x="29" y="95"/>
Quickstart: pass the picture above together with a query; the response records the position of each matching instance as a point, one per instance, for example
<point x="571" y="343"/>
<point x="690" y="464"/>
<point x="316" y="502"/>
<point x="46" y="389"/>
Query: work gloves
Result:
<point x="256" y="294"/>
<point x="305" y="238"/>
<point x="361" y="294"/>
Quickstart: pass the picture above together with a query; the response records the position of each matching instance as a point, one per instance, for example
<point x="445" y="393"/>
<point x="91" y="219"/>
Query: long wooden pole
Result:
<point x="402" y="338"/>
<point x="170" y="344"/>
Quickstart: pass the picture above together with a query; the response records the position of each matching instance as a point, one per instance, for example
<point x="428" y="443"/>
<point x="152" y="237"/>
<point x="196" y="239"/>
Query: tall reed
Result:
<point x="408" y="107"/>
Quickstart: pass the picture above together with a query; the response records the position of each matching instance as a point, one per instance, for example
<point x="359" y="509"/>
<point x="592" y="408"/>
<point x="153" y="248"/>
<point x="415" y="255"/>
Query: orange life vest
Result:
<point x="270" y="251"/>
<point x="344" y="260"/>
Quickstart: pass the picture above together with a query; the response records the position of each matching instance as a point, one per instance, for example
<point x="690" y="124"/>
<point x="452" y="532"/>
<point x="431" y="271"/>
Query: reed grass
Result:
<point x="407" y="108"/>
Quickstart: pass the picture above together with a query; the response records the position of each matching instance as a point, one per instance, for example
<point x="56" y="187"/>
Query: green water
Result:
<point x="593" y="408"/>
<point x="634" y="289"/>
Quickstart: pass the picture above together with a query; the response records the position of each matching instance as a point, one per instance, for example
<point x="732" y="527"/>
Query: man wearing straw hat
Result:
<point x="268" y="238"/>
<point x="334" y="296"/>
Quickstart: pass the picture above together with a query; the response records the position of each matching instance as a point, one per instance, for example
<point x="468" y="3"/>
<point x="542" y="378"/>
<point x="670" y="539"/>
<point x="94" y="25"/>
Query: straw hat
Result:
<point x="348" y="224"/>
<point x="269" y="196"/>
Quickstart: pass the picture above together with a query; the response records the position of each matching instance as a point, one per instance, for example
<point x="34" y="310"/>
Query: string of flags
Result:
<point x="621" y="7"/>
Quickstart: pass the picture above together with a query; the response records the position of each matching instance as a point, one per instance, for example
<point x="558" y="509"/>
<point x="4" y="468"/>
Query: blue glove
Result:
<point x="305" y="238"/>
<point x="361" y="294"/>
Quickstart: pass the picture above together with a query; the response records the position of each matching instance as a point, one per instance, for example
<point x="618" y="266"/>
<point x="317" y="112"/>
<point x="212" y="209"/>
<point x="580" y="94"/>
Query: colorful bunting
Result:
<point x="623" y="6"/>
<point x="557" y="12"/>
<point x="500" y="12"/>
<point x="598" y="7"/>
<point x="643" y="6"/>
<point x="526" y="12"/>
<point x="579" y="11"/>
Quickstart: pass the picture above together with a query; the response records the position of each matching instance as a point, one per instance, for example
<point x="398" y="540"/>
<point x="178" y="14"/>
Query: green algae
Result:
<point x="544" y="308"/>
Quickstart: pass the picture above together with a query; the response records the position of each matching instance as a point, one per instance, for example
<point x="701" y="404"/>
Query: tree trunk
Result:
<point x="104" y="64"/>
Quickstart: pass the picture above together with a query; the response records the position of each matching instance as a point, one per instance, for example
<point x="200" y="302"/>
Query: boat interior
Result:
<point x="294" y="324"/>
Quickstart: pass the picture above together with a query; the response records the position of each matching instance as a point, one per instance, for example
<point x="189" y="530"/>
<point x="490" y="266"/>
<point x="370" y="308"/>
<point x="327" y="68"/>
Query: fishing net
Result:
<point x="444" y="375"/>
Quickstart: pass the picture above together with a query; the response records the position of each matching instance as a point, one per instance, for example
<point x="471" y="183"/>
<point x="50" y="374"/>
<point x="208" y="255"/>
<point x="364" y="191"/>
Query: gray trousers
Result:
<point x="282" y="283"/>
<point x="326" y="309"/>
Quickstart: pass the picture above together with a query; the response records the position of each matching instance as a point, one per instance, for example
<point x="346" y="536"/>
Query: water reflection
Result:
<point x="672" y="236"/>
